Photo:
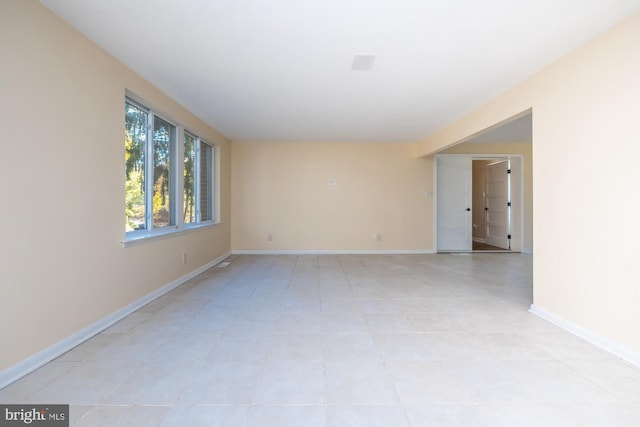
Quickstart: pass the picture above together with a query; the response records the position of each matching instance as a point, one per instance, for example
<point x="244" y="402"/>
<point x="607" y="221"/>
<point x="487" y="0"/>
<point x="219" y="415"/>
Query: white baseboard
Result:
<point x="527" y="251"/>
<point x="478" y="239"/>
<point x="333" y="252"/>
<point x="45" y="356"/>
<point x="588" y="335"/>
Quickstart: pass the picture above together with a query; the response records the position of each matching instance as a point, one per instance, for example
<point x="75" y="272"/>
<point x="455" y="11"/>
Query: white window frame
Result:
<point x="176" y="181"/>
<point x="198" y="182"/>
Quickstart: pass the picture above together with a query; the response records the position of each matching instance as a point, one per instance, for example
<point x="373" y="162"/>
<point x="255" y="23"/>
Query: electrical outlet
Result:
<point x="184" y="258"/>
<point x="377" y="237"/>
<point x="269" y="237"/>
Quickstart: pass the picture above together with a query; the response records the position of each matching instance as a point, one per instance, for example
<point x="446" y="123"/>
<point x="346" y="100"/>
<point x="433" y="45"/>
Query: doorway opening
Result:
<point x="491" y="205"/>
<point x="479" y="204"/>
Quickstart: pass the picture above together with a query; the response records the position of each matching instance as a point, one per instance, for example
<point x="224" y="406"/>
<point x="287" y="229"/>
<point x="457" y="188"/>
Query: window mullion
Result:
<point x="148" y="172"/>
<point x="178" y="177"/>
<point x="196" y="172"/>
<point x="212" y="183"/>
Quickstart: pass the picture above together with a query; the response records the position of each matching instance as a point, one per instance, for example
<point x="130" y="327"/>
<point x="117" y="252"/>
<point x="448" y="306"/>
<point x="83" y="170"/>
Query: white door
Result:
<point x="497" y="205"/>
<point x="453" y="203"/>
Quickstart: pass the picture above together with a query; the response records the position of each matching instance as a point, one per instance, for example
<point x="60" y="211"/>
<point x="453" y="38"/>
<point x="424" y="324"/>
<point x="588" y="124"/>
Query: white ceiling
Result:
<point x="281" y="69"/>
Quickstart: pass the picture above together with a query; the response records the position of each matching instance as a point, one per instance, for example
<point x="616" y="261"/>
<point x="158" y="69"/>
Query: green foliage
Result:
<point x="134" y="202"/>
<point x="189" y="179"/>
<point x="135" y="136"/>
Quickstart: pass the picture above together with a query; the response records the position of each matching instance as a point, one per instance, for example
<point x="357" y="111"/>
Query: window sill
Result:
<point x="143" y="238"/>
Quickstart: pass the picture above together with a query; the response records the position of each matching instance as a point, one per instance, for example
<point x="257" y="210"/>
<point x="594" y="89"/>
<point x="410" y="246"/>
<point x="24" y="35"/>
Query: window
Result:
<point x="163" y="145"/>
<point x="189" y="178"/>
<point x="148" y="167"/>
<point x="152" y="187"/>
<point x="206" y="182"/>
<point x="198" y="180"/>
<point x="135" y="149"/>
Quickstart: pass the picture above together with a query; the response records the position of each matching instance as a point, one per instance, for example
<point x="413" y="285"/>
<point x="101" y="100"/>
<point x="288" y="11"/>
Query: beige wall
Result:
<point x="520" y="148"/>
<point x="62" y="266"/>
<point x="585" y="178"/>
<point x="283" y="189"/>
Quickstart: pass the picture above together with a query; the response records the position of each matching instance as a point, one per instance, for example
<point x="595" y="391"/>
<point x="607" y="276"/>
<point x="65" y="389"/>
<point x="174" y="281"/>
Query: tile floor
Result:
<point x="415" y="340"/>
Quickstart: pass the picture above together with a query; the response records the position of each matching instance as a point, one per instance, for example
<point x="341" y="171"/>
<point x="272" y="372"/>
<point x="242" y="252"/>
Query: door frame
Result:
<point x="518" y="197"/>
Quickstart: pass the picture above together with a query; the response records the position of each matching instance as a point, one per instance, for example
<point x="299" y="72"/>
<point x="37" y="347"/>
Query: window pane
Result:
<point x="135" y="135"/>
<point x="189" y="207"/>
<point x="206" y="187"/>
<point x="163" y="136"/>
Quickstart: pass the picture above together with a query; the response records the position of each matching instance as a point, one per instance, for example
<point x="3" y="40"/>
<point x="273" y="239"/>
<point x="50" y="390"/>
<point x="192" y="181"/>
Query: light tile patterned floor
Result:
<point x="411" y="340"/>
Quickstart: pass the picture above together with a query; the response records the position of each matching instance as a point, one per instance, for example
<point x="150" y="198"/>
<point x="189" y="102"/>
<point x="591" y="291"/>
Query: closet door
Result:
<point x="454" y="216"/>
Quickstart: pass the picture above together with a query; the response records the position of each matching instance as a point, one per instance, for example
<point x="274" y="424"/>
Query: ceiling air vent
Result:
<point x="363" y="62"/>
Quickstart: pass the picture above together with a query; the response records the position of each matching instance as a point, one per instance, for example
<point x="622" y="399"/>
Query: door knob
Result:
<point x="468" y="209"/>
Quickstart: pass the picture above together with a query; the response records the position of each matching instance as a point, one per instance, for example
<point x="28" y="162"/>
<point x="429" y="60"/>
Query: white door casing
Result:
<point x="516" y="197"/>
